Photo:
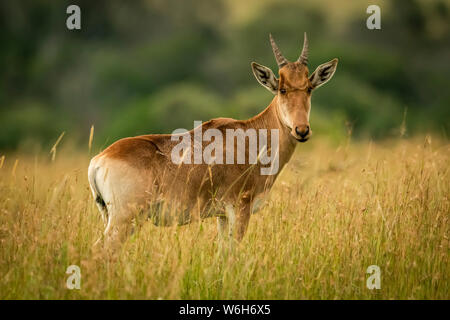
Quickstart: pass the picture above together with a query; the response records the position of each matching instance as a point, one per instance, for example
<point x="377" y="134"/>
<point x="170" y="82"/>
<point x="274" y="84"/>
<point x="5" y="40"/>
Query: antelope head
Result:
<point x="294" y="87"/>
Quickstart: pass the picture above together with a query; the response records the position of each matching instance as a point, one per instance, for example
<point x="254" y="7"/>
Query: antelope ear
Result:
<point x="265" y="77"/>
<point x="323" y="73"/>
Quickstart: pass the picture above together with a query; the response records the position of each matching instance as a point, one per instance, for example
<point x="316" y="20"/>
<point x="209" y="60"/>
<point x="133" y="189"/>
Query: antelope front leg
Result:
<point x="225" y="227"/>
<point x="225" y="223"/>
<point x="222" y="226"/>
<point x="236" y="223"/>
<point x="242" y="220"/>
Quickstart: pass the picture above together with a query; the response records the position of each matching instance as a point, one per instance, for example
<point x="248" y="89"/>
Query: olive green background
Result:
<point x="140" y="67"/>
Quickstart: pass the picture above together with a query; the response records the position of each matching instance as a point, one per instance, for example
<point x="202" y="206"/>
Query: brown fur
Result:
<point x="140" y="172"/>
<point x="199" y="188"/>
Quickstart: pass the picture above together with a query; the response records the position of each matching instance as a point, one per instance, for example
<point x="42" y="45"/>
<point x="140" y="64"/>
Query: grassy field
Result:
<point x="334" y="211"/>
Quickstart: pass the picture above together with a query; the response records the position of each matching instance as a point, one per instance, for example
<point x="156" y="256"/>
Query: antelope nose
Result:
<point x="302" y="131"/>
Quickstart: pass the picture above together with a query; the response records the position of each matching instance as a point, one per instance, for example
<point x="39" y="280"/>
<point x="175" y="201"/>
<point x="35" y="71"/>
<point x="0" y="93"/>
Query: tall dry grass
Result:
<point x="333" y="212"/>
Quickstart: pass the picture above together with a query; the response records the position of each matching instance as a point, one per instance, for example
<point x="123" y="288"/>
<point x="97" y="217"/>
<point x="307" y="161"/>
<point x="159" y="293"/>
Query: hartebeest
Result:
<point x="138" y="174"/>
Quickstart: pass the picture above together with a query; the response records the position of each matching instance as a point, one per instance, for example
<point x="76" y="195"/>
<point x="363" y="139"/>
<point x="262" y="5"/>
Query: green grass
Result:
<point x="334" y="211"/>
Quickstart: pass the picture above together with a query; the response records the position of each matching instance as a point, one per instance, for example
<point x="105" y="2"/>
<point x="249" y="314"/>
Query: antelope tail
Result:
<point x="92" y="176"/>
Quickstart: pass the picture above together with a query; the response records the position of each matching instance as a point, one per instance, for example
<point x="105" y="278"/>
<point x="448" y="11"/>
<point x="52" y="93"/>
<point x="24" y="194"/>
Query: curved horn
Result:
<point x="278" y="56"/>
<point x="305" y="51"/>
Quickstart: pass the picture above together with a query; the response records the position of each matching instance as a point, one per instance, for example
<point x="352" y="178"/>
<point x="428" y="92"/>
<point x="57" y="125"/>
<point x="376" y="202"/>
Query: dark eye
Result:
<point x="309" y="89"/>
<point x="283" y="91"/>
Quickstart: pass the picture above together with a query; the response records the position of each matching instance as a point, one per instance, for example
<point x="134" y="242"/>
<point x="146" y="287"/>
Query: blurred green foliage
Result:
<point x="141" y="67"/>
